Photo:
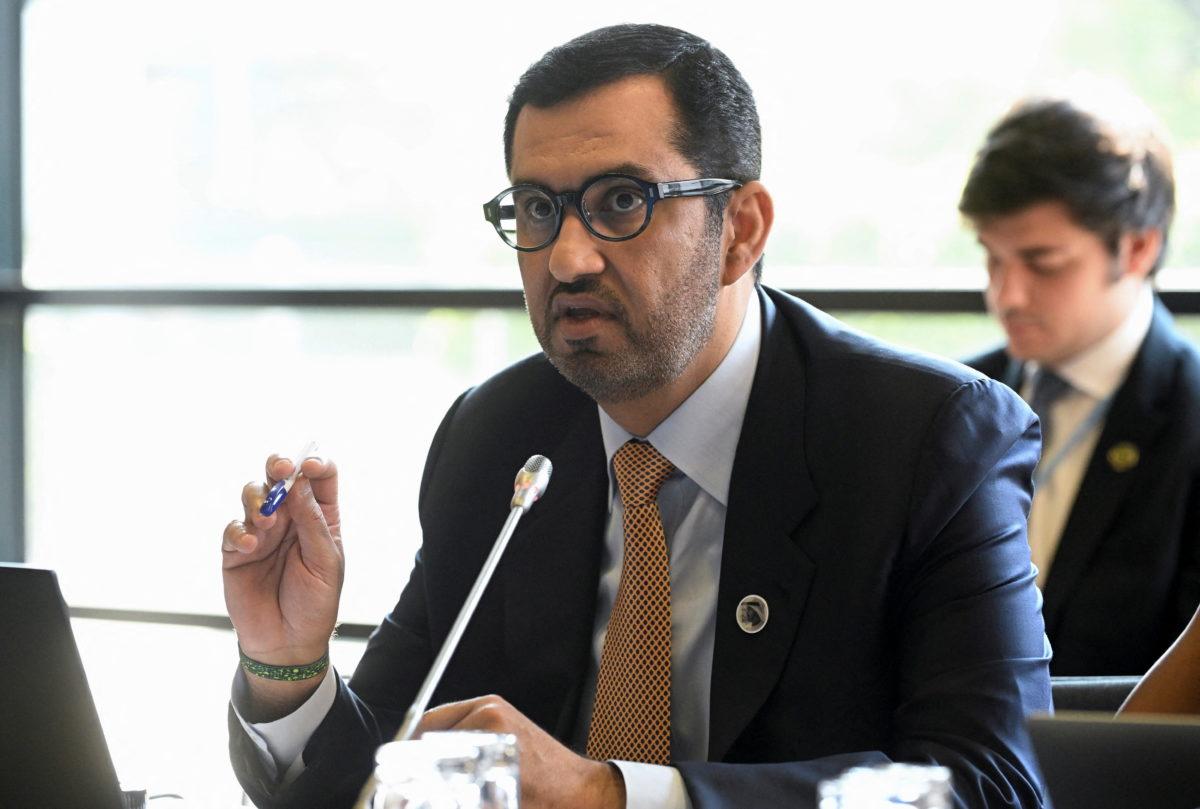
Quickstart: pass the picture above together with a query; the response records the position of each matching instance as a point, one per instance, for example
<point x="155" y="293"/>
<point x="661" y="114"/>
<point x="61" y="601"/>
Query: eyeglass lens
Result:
<point x="613" y="207"/>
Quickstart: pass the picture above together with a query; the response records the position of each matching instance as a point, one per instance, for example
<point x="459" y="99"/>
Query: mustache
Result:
<point x="587" y="285"/>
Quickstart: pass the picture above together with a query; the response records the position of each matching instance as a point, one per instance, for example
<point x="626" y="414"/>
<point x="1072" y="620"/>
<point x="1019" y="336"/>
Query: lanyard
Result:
<point x="1046" y="468"/>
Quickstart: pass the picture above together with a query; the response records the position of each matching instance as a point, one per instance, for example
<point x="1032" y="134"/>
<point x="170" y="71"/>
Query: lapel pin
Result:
<point x="752" y="614"/>
<point x="1123" y="456"/>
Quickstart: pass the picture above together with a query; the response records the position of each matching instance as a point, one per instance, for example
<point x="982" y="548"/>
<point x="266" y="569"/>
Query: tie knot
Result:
<point x="1048" y="388"/>
<point x="640" y="470"/>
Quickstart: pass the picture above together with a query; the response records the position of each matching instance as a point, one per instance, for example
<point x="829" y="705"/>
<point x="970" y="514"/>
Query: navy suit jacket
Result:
<point x="878" y="503"/>
<point x="1126" y="576"/>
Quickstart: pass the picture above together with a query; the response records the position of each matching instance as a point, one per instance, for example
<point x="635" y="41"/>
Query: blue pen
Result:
<point x="280" y="490"/>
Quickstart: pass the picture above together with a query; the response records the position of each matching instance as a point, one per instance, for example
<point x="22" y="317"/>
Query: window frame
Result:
<point x="12" y="310"/>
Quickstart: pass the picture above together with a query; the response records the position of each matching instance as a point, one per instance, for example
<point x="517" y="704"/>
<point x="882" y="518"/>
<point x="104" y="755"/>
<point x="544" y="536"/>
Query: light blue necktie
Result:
<point x="1048" y="388"/>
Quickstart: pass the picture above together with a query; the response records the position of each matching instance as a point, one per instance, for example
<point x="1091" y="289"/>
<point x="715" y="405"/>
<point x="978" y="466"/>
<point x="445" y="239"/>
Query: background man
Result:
<point x="1073" y="211"/>
<point x="772" y="548"/>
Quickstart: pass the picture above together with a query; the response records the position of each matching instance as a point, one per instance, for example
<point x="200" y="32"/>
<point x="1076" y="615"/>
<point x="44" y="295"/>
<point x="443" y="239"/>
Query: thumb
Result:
<point x="320" y="550"/>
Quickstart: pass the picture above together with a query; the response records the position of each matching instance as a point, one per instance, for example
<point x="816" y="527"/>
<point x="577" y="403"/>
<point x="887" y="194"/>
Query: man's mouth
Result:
<point x="581" y="313"/>
<point x="580" y="307"/>
<point x="582" y="316"/>
<point x="1020" y="323"/>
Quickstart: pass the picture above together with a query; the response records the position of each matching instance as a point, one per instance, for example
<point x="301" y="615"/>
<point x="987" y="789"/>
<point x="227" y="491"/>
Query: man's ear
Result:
<point x="748" y="218"/>
<point x="1139" y="250"/>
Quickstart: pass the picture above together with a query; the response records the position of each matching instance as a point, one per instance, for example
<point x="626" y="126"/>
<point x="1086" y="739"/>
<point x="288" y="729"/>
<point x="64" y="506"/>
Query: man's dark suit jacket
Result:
<point x="878" y="503"/>
<point x="1126" y="576"/>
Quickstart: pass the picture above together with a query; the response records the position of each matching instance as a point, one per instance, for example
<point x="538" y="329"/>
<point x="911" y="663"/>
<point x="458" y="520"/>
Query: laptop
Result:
<point x="1098" y="761"/>
<point x="52" y="748"/>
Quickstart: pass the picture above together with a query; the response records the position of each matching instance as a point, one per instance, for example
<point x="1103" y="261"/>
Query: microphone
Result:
<point x="530" y="484"/>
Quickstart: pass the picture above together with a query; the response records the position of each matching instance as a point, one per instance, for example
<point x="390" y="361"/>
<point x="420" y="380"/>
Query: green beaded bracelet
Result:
<point x="285" y="673"/>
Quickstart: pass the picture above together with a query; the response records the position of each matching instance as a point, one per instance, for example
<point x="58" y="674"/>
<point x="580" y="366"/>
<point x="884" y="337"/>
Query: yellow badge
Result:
<point x="1123" y="456"/>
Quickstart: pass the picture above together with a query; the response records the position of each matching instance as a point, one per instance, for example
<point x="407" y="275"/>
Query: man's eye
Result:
<point x="623" y="200"/>
<point x="539" y="209"/>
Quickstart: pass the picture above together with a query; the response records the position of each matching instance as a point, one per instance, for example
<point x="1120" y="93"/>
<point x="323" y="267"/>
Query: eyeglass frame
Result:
<point x="702" y="187"/>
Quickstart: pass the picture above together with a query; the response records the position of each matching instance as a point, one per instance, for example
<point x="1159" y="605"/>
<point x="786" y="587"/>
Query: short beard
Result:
<point x="678" y="327"/>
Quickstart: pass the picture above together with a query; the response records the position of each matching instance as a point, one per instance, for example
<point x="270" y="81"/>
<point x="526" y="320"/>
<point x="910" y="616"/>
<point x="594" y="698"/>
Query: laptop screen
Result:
<point x="52" y="748"/>
<point x="1096" y="761"/>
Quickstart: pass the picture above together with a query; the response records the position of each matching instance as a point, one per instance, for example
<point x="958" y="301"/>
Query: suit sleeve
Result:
<point x="366" y="712"/>
<point x="971" y="659"/>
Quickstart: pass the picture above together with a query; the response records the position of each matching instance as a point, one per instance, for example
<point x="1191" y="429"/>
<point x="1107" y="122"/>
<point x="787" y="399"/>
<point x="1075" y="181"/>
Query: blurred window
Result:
<point x="262" y="144"/>
<point x="288" y="143"/>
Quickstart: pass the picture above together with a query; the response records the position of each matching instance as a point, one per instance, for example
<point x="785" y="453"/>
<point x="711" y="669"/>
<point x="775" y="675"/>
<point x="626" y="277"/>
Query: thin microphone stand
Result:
<point x="531" y="482"/>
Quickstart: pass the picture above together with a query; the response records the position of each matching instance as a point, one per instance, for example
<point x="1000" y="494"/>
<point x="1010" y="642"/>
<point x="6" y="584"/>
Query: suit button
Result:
<point x="752" y="614"/>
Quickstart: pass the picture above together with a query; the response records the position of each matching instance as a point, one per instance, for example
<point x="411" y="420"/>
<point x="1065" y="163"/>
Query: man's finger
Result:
<point x="303" y="507"/>
<point x="254" y="494"/>
<point x="278" y="467"/>
<point x="320" y="548"/>
<point x="236" y="539"/>
<point x="323" y="475"/>
<point x="466" y="714"/>
<point x="446" y="717"/>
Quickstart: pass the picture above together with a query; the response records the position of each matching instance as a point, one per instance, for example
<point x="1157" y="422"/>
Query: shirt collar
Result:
<point x="1101" y="368"/>
<point x="701" y="436"/>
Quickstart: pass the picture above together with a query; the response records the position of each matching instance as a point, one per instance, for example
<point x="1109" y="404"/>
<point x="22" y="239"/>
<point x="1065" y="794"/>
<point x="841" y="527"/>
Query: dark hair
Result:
<point x="1113" y="177"/>
<point x="717" y="130"/>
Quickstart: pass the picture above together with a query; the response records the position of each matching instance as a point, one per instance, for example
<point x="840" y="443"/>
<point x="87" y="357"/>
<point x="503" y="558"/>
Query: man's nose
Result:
<point x="575" y="253"/>
<point x="1008" y="286"/>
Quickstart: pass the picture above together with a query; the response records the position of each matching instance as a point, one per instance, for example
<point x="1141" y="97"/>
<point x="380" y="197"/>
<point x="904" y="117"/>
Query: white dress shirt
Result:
<point x="1094" y="375"/>
<point x="699" y="438"/>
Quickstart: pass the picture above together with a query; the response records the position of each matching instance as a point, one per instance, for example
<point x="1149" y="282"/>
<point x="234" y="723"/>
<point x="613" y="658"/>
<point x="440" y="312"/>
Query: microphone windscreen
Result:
<point x="536" y="462"/>
<point x="531" y="481"/>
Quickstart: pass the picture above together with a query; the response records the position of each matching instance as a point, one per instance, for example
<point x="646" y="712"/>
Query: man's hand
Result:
<point x="552" y="777"/>
<point x="283" y="578"/>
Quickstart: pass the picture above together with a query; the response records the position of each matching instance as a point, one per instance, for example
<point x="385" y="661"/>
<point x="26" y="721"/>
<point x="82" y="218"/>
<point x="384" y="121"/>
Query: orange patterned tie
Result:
<point x="631" y="717"/>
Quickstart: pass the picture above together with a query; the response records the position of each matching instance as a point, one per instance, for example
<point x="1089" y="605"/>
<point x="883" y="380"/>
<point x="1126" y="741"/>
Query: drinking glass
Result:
<point x="448" y="770"/>
<point x="887" y="786"/>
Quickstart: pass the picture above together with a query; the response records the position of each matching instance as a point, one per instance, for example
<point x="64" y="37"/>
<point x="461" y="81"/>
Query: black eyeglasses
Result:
<point x="613" y="207"/>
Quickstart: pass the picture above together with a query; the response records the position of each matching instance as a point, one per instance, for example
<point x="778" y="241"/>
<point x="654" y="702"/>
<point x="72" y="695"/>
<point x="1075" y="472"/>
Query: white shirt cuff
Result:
<point x="652" y="786"/>
<point x="281" y="742"/>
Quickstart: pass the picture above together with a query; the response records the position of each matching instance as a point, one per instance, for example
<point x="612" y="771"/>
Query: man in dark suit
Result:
<point x="1073" y="210"/>
<point x="772" y="548"/>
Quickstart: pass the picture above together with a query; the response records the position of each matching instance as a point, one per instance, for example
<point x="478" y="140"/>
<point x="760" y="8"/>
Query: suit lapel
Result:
<point x="1135" y="418"/>
<point x="770" y="493"/>
<point x="552" y="571"/>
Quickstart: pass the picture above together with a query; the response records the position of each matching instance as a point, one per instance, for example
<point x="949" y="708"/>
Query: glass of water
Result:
<point x="449" y="770"/>
<point x="888" y="786"/>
